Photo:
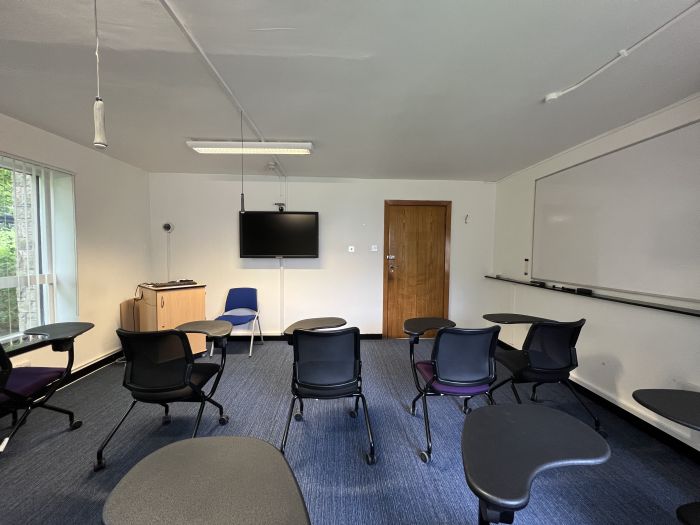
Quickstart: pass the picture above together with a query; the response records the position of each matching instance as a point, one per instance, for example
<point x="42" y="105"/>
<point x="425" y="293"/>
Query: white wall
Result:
<point x="622" y="348"/>
<point x="111" y="210"/>
<point x="204" y="210"/>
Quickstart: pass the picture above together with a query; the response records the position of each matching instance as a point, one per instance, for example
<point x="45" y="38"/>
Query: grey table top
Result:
<point x="48" y="334"/>
<point x="680" y="406"/>
<point x="315" y="323"/>
<point x="212" y="329"/>
<point x="419" y="325"/>
<point x="505" y="446"/>
<point x="212" y="480"/>
<point x="509" y="318"/>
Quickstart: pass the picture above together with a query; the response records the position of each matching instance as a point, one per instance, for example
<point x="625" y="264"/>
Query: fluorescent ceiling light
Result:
<point x="226" y="147"/>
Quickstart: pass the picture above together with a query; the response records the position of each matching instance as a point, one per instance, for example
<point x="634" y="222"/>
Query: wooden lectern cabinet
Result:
<point x="168" y="307"/>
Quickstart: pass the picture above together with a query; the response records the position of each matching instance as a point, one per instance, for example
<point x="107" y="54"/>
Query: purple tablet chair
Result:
<point x="462" y="364"/>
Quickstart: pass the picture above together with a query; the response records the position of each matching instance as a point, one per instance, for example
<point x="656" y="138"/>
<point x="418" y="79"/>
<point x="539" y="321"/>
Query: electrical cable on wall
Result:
<point x="242" y="194"/>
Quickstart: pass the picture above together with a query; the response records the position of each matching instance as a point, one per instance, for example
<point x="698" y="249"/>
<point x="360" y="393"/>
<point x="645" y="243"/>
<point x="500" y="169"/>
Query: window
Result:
<point x="38" y="282"/>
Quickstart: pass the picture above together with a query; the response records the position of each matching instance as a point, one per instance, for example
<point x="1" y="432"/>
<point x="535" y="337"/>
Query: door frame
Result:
<point x="448" y="226"/>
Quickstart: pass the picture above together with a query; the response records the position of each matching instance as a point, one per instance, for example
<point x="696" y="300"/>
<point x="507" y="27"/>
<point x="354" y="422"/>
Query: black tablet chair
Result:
<point x="548" y="356"/>
<point x="462" y="364"/>
<point x="327" y="365"/>
<point x="30" y="387"/>
<point x="160" y="369"/>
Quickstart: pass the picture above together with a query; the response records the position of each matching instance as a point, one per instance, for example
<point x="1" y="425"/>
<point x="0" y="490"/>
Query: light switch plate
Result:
<point x="374" y="248"/>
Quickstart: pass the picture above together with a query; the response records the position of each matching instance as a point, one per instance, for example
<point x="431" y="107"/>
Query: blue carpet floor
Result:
<point x="46" y="472"/>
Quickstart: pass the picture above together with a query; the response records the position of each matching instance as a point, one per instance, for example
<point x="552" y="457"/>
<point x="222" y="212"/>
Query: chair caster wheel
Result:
<point x="353" y="414"/>
<point x="298" y="416"/>
<point x="412" y="412"/>
<point x="425" y="457"/>
<point x="166" y="420"/>
<point x="223" y="420"/>
<point x="371" y="459"/>
<point x="99" y="465"/>
<point x="76" y="424"/>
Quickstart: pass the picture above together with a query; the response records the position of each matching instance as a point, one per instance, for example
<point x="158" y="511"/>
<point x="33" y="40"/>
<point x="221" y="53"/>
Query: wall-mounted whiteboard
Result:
<point x="629" y="220"/>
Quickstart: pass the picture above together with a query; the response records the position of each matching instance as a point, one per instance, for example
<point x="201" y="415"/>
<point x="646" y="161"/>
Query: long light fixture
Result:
<point x="98" y="108"/>
<point x="226" y="147"/>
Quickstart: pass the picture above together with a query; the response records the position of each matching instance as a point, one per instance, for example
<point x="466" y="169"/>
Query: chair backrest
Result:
<point x="156" y="361"/>
<point x="551" y="345"/>
<point x="326" y="358"/>
<point x="242" y="298"/>
<point x="5" y="367"/>
<point x="465" y="356"/>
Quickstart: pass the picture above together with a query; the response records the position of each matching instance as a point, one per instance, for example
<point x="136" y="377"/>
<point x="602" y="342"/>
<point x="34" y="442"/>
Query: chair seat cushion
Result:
<point x="305" y="390"/>
<point x="201" y="373"/>
<point x="236" y="320"/>
<point x="29" y="380"/>
<point x="426" y="370"/>
<point x="516" y="361"/>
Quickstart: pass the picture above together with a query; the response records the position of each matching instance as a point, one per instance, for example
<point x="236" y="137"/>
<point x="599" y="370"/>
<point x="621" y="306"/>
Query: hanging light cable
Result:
<point x="98" y="109"/>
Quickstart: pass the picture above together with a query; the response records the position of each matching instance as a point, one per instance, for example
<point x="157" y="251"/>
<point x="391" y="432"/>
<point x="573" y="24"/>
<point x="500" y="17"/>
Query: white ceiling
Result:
<point x="446" y="89"/>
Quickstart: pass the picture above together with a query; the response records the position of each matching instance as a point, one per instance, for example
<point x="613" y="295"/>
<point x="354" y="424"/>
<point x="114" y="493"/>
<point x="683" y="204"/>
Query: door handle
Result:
<point x="162" y="302"/>
<point x="392" y="268"/>
<point x="390" y="257"/>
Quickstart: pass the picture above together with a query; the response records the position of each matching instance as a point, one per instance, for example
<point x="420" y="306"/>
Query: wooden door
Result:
<point x="416" y="262"/>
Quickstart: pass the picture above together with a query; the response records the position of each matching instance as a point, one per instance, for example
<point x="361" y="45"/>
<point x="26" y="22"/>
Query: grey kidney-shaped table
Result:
<point x="505" y="446"/>
<point x="314" y="323"/>
<point x="682" y="407"/>
<point x="213" y="480"/>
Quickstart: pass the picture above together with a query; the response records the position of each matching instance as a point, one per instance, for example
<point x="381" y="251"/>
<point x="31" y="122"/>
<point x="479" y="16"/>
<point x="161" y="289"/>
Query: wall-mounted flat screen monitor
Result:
<point x="278" y="234"/>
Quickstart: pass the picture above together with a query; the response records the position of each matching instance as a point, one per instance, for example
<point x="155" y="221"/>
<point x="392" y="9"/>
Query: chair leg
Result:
<point x="262" y="341"/>
<point x="20" y="422"/>
<point x="289" y="420"/>
<point x="490" y="398"/>
<point x="166" y="418"/>
<point x="426" y="454"/>
<point x="100" y="463"/>
<point x="466" y="409"/>
<point x="252" y="335"/>
<point x="199" y="418"/>
<point x="353" y="413"/>
<point x="413" y="404"/>
<point x="596" y="421"/>
<point x="515" y="392"/>
<point x="72" y="423"/>
<point x="499" y="385"/>
<point x="533" y="395"/>
<point x="211" y="351"/>
<point x="371" y="457"/>
<point x="14" y="418"/>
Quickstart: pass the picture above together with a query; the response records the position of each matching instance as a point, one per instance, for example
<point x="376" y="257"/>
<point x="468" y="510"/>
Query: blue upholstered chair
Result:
<point x="242" y="308"/>
<point x="462" y="364"/>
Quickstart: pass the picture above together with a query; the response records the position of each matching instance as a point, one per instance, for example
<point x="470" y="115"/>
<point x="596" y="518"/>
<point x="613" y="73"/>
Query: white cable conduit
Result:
<point x="621" y="54"/>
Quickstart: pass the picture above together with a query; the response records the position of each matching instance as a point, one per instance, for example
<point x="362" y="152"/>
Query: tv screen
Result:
<point x="278" y="234"/>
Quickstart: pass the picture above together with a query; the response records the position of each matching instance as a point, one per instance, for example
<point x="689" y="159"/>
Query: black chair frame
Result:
<point x="426" y="390"/>
<point x="200" y="397"/>
<point x="564" y="379"/>
<point x="371" y="456"/>
<point x="17" y="402"/>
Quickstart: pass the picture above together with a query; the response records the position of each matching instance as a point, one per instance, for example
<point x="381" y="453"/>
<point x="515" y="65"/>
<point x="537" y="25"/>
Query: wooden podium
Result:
<point x="164" y="308"/>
